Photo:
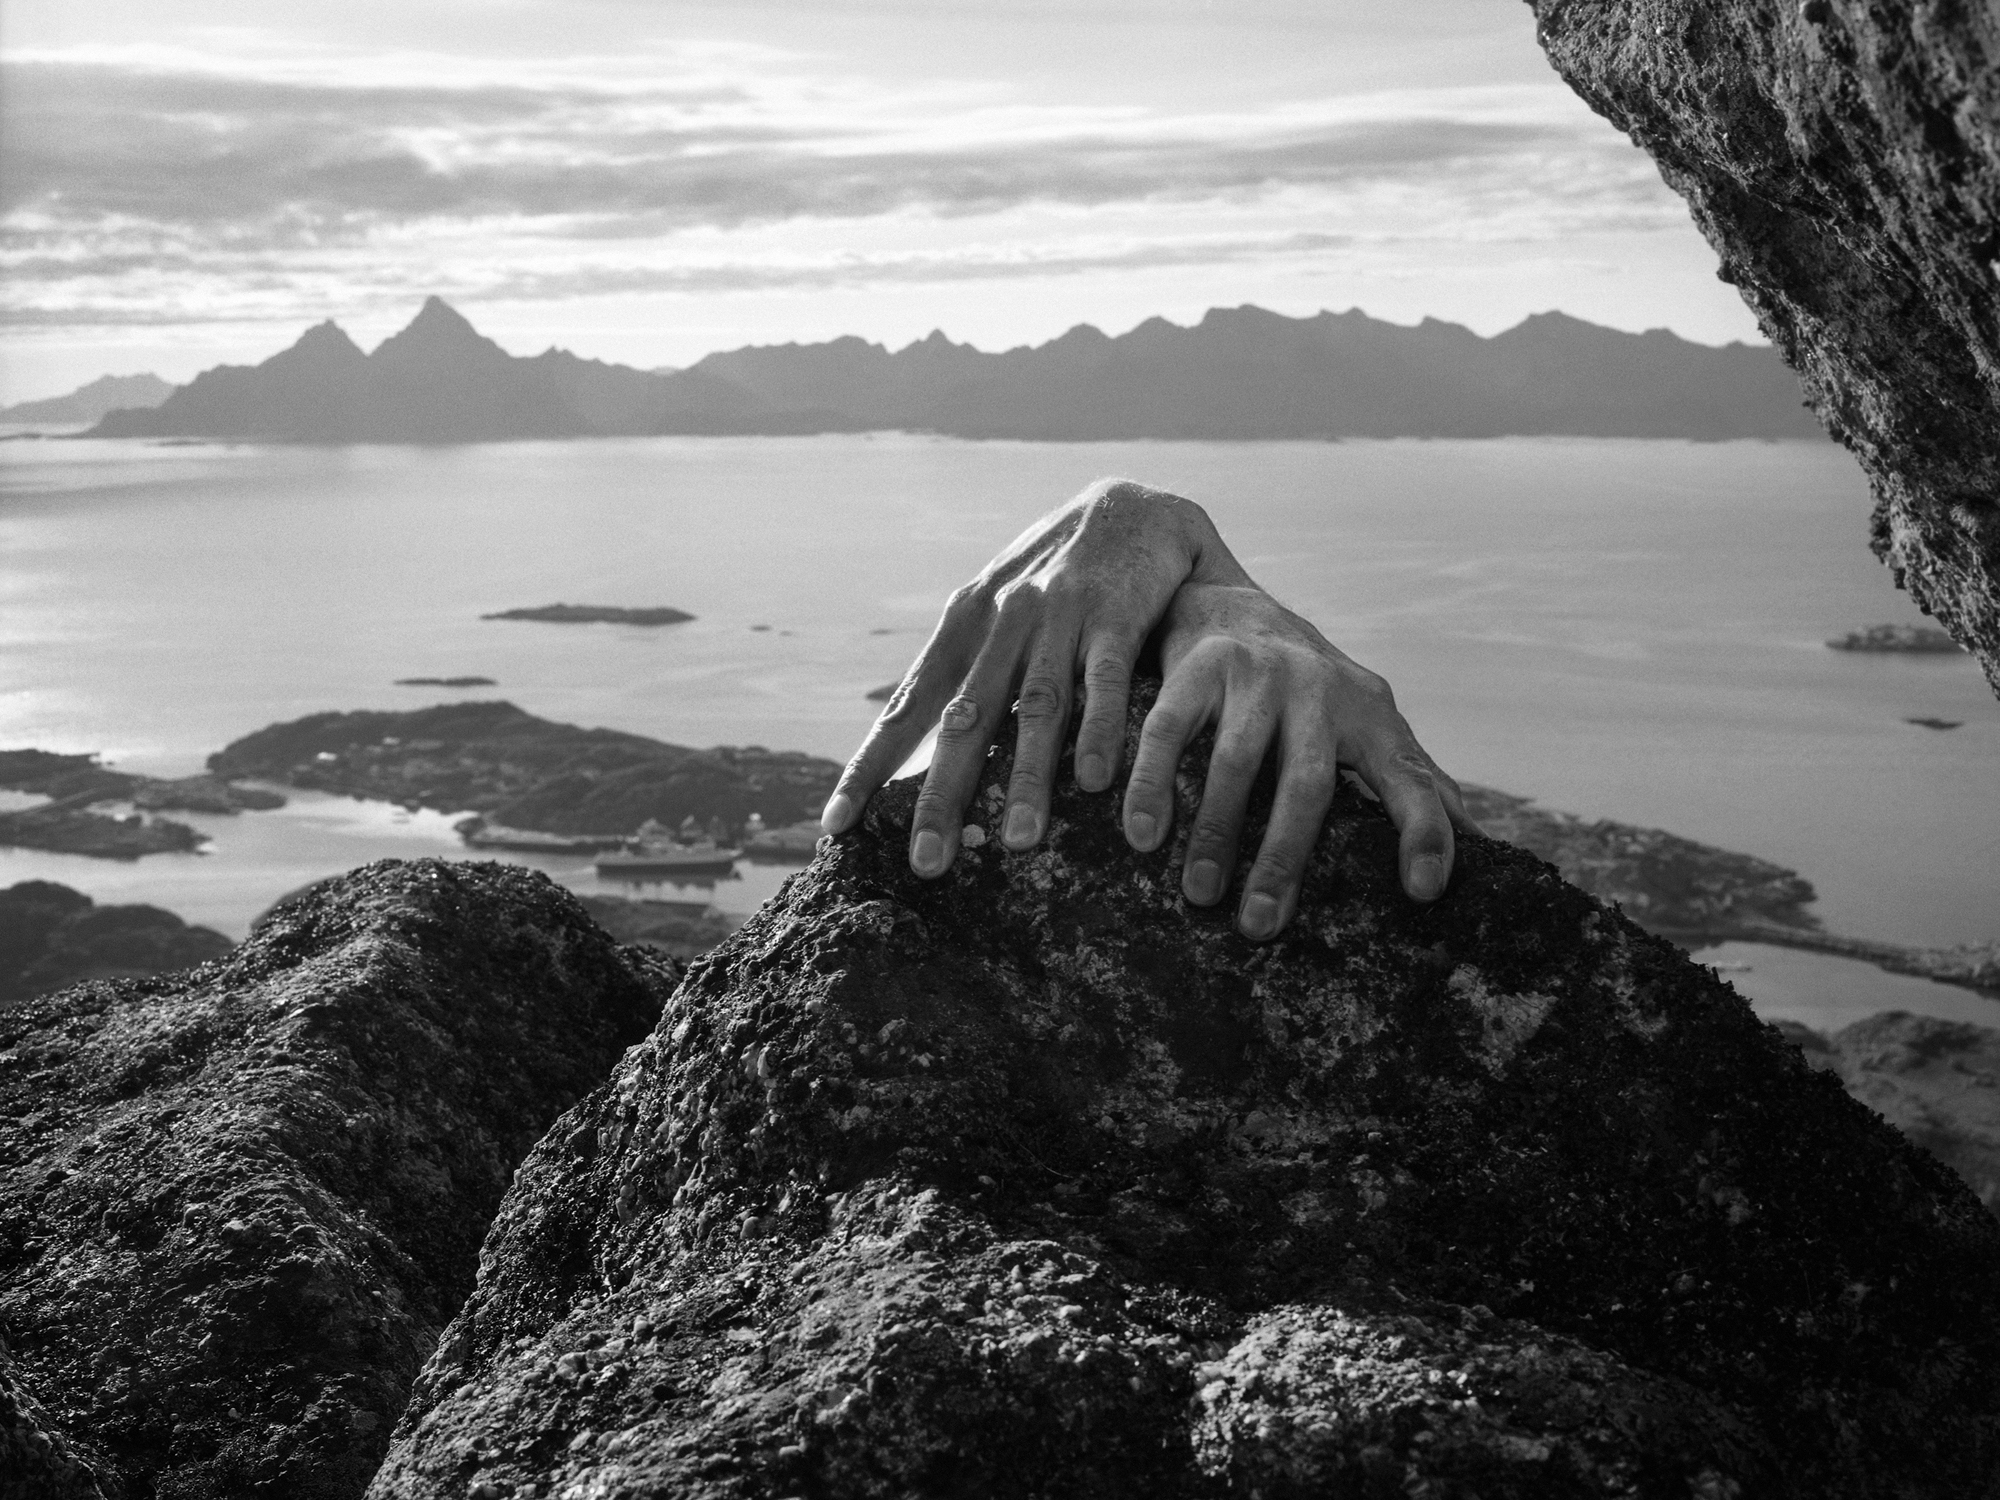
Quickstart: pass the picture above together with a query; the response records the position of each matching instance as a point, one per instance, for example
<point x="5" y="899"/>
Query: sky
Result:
<point x="189" y="182"/>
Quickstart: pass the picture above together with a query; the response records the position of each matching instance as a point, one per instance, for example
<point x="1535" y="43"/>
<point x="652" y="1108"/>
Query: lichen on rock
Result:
<point x="1037" y="1180"/>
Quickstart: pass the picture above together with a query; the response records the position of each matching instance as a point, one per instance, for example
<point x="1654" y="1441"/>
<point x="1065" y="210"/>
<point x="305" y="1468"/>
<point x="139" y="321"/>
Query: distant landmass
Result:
<point x="89" y="403"/>
<point x="594" y="614"/>
<point x="1922" y="640"/>
<point x="1240" y="373"/>
<point x="52" y="936"/>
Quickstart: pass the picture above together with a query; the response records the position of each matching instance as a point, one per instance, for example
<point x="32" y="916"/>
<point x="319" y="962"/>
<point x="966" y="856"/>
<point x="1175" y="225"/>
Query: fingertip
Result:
<point x="1260" y="916"/>
<point x="1093" y="774"/>
<point x="928" y="855"/>
<point x="1142" y="831"/>
<point x="1424" y="880"/>
<point x="838" y="815"/>
<point x="1022" y="828"/>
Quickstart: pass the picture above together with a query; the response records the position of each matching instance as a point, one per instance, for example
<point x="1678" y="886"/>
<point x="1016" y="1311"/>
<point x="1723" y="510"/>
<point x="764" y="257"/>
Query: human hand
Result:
<point x="1076" y="593"/>
<point x="1232" y="656"/>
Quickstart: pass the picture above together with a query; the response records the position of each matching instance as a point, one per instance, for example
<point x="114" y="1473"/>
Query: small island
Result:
<point x="1921" y="640"/>
<point x="589" y="614"/>
<point x="74" y="820"/>
<point x="448" y="682"/>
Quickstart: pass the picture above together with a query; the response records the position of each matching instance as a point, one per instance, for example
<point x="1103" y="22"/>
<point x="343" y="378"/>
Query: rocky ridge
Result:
<point x="1035" y="1180"/>
<point x="238" y="1204"/>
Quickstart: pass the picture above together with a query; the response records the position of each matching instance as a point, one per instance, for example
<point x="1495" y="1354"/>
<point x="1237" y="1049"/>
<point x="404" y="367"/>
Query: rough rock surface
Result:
<point x="1843" y="157"/>
<point x="1936" y="1081"/>
<point x="1035" y="1181"/>
<point x="237" y="1205"/>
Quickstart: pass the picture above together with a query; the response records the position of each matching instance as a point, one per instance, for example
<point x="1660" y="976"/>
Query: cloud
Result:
<point x="130" y="176"/>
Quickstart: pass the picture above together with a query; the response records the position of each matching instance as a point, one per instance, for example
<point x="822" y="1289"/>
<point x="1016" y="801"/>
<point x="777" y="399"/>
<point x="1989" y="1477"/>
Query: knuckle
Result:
<point x="1149" y="786"/>
<point x="1414" y="769"/>
<point x="1279" y="866"/>
<point x="1108" y="669"/>
<point x="1041" y="697"/>
<point x="1235" y="763"/>
<point x="1314" y="775"/>
<point x="898" y="706"/>
<point x="960" y="719"/>
<point x="934" y="809"/>
<point x="1017" y="601"/>
<point x="1168" y="724"/>
<point x="1212" y="830"/>
<point x="1027" y="781"/>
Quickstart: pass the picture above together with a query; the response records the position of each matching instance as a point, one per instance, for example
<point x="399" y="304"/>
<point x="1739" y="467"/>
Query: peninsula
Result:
<point x="1917" y="639"/>
<point x="74" y="818"/>
<point x="593" y="614"/>
<point x="524" y="772"/>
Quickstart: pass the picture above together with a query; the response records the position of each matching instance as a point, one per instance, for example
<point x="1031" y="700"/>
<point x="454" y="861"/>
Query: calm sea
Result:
<point x="1621" y="629"/>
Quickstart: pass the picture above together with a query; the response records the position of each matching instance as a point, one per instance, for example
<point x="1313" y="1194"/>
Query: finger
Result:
<point x="965" y="733"/>
<point x="1107" y="690"/>
<point x="909" y="714"/>
<point x="1041" y="709"/>
<point x="1247" y="723"/>
<point x="1188" y="700"/>
<point x="1307" y="779"/>
<point x="1398" y="771"/>
<point x="1454" y="801"/>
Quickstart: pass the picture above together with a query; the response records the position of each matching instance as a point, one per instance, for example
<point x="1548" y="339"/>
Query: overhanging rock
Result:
<point x="1035" y="1181"/>
<point x="1843" y="158"/>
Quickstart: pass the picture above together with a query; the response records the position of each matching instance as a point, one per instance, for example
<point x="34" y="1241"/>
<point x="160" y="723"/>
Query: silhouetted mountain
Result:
<point x="1240" y="373"/>
<point x="89" y="403"/>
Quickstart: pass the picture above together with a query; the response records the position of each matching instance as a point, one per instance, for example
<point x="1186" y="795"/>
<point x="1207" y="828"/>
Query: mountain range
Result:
<point x="89" y="403"/>
<point x="1239" y="373"/>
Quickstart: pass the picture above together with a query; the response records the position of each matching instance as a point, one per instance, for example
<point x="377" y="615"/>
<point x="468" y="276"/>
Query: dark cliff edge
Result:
<point x="1843" y="158"/>
<point x="1036" y="1181"/>
<point x="238" y="1204"/>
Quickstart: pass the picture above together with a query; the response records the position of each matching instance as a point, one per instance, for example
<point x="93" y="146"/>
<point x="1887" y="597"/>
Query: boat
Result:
<point x="794" y="841"/>
<point x="533" y="841"/>
<point x="650" y="858"/>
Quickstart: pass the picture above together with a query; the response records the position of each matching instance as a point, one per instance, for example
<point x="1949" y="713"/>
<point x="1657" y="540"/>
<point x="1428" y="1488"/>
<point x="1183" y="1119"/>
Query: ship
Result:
<point x="656" y="854"/>
<point x="794" y="841"/>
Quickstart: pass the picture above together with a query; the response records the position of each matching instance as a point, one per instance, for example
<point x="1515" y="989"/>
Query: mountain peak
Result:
<point x="440" y="331"/>
<point x="323" y="343"/>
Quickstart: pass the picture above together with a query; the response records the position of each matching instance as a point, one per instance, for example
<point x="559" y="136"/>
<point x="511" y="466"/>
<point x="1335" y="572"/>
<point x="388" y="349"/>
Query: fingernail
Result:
<point x="1090" y="773"/>
<point x="1426" y="877"/>
<point x="1204" y="882"/>
<point x="1259" y="918"/>
<point x="927" y="853"/>
<point x="1140" y="829"/>
<point x="839" y="809"/>
<point x="1023" y="827"/>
